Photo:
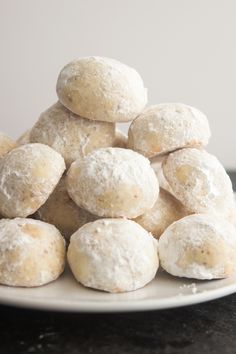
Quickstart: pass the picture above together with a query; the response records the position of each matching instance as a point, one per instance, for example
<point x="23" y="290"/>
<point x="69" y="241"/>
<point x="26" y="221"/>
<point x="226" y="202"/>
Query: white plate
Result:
<point x="163" y="292"/>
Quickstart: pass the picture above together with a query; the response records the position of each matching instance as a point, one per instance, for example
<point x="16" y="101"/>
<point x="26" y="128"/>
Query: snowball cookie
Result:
<point x="101" y="89"/>
<point x="70" y="135"/>
<point x="165" y="211"/>
<point x="24" y="138"/>
<point x="61" y="211"/>
<point x="166" y="127"/>
<point x="199" y="181"/>
<point x="199" y="246"/>
<point x="113" y="182"/>
<point x="6" y="144"/>
<point x="121" y="139"/>
<point x="28" y="175"/>
<point x="114" y="255"/>
<point x="32" y="252"/>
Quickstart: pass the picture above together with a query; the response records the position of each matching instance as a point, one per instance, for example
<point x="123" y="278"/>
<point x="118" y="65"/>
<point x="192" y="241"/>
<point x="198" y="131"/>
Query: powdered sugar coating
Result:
<point x="165" y="211"/>
<point x="28" y="175"/>
<point x="32" y="253"/>
<point x="101" y="89"/>
<point x="199" y="246"/>
<point x="70" y="135"/>
<point x="113" y="182"/>
<point x="6" y="144"/>
<point x="199" y="181"/>
<point x="166" y="127"/>
<point x="61" y="211"/>
<point x="114" y="255"/>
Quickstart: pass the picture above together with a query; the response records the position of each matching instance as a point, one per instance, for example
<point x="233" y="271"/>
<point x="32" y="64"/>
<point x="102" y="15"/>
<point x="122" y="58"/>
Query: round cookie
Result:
<point x="101" y="89"/>
<point x="70" y="135"/>
<point x="24" y="138"/>
<point x="61" y="211"/>
<point x="28" y="175"/>
<point x="165" y="211"/>
<point x="6" y="144"/>
<point x="121" y="139"/>
<point x="199" y="181"/>
<point x="113" y="182"/>
<point x="114" y="255"/>
<point x="166" y="127"/>
<point x="199" y="246"/>
<point x="32" y="252"/>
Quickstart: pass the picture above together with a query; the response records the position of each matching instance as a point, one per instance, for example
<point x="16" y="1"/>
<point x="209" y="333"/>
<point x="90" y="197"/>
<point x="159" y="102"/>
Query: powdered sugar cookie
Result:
<point x="114" y="255"/>
<point x="166" y="127"/>
<point x="101" y="89"/>
<point x="70" y="135"/>
<point x="199" y="246"/>
<point x="61" y="211"/>
<point x="113" y="182"/>
<point x="28" y="175"/>
<point x="199" y="181"/>
<point x="32" y="252"/>
<point x="165" y="211"/>
<point x="6" y="144"/>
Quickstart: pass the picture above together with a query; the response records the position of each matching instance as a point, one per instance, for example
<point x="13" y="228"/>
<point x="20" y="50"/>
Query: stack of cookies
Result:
<point x="121" y="204"/>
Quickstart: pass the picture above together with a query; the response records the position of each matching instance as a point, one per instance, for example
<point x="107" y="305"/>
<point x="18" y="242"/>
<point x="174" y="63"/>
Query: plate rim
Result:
<point x="116" y="306"/>
<point x="102" y="306"/>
